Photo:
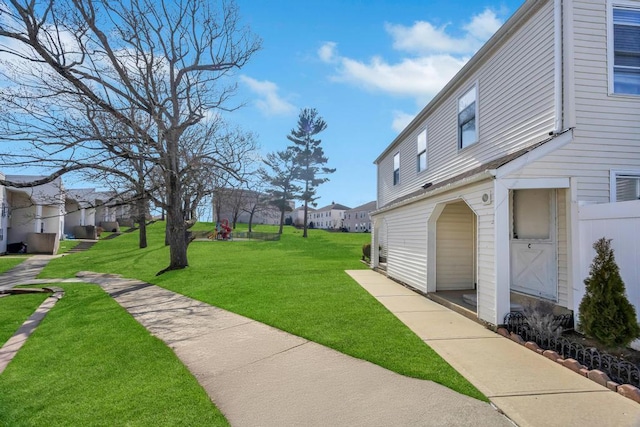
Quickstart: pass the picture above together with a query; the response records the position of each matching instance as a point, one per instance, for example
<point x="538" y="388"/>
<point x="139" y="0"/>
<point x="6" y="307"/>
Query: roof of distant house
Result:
<point x="333" y="206"/>
<point x="370" y="206"/>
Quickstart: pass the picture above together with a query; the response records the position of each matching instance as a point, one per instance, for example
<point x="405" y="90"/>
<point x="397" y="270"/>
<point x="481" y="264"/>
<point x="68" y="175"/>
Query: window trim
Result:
<point x="612" y="4"/>
<point x="421" y="152"/>
<point x="396" y="177"/>
<point x="614" y="174"/>
<point x="474" y="88"/>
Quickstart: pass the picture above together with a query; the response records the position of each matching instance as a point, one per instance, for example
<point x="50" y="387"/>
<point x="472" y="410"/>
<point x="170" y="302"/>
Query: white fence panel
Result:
<point x="621" y="223"/>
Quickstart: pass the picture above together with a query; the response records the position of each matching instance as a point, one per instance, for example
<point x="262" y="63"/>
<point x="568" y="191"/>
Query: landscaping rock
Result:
<point x="551" y="354"/>
<point x="503" y="332"/>
<point x="599" y="377"/>
<point x="627" y="390"/>
<point x="517" y="338"/>
<point x="612" y="385"/>
<point x="532" y="346"/>
<point x="573" y="364"/>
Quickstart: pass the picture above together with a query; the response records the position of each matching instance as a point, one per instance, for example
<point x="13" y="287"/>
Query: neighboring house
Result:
<point x="328" y="217"/>
<point x="32" y="215"/>
<point x="481" y="193"/>
<point x="80" y="209"/>
<point x="228" y="203"/>
<point x="357" y="219"/>
<point x="113" y="210"/>
<point x="297" y="215"/>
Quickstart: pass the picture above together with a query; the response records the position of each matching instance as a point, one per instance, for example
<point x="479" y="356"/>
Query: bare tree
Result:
<point x="168" y="60"/>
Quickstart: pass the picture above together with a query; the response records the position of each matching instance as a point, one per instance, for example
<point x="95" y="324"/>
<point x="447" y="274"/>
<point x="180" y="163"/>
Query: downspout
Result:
<point x="557" y="53"/>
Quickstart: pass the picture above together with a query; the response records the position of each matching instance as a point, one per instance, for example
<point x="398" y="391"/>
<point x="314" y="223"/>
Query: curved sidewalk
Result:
<point x="529" y="388"/>
<point x="259" y="375"/>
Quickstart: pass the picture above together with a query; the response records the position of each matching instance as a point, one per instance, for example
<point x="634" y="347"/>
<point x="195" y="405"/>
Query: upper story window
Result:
<point x="467" y="115"/>
<point x="396" y="168"/>
<point x="626" y="50"/>
<point x="422" y="151"/>
<point x="625" y="186"/>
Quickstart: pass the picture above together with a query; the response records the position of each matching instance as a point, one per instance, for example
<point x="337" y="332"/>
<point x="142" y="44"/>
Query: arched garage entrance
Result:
<point x="454" y="266"/>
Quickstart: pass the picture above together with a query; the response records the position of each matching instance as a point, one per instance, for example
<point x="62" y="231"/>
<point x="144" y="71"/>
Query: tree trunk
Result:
<point x="250" y="220"/>
<point x="281" y="221"/>
<point x="306" y="209"/>
<point x="177" y="231"/>
<point x="142" y="222"/>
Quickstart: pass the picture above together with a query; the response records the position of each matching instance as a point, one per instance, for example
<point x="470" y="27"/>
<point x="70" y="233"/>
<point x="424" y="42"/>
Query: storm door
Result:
<point x="534" y="265"/>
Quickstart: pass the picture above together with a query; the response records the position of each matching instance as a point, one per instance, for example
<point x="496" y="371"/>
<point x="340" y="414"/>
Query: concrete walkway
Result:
<point x="261" y="376"/>
<point x="529" y="388"/>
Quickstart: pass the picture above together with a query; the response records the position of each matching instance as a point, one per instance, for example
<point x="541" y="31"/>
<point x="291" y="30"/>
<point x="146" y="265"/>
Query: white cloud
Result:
<point x="419" y="78"/>
<point x="269" y="102"/>
<point x="425" y="38"/>
<point x="432" y="56"/>
<point x="401" y="120"/>
<point x="327" y="52"/>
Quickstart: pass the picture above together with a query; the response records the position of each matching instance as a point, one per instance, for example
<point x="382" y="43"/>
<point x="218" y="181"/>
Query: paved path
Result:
<point x="531" y="390"/>
<point x="24" y="272"/>
<point x="260" y="376"/>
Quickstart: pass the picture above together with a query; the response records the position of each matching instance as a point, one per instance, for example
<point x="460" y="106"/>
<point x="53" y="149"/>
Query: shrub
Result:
<point x="540" y="318"/>
<point x="366" y="251"/>
<point x="605" y="311"/>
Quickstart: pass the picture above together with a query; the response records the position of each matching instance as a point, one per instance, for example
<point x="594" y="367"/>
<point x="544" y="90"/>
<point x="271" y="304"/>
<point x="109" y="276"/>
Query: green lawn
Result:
<point x="14" y="310"/>
<point x="7" y="263"/>
<point x="295" y="284"/>
<point x="67" y="245"/>
<point x="90" y="363"/>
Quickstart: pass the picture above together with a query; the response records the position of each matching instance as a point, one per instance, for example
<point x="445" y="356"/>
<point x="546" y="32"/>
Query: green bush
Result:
<point x="605" y="312"/>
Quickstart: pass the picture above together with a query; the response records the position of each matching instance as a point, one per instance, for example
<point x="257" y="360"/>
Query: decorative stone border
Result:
<point x="599" y="377"/>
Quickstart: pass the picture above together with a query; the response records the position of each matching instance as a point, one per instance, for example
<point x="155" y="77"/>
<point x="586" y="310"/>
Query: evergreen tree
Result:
<point x="310" y="157"/>
<point x="605" y="311"/>
<point x="279" y="179"/>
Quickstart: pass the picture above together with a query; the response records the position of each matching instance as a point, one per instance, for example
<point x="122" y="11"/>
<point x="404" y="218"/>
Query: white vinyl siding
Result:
<point x="607" y="128"/>
<point x="624" y="48"/>
<point x="515" y="100"/>
<point x="404" y="231"/>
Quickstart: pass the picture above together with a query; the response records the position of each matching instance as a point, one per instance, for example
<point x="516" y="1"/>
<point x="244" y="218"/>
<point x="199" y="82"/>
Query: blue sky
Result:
<point x="367" y="66"/>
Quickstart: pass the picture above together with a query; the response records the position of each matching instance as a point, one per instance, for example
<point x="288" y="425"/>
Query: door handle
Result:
<point x="529" y="246"/>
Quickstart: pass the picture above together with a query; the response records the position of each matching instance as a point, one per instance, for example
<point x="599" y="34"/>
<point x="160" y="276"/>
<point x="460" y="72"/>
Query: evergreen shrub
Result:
<point x="605" y="312"/>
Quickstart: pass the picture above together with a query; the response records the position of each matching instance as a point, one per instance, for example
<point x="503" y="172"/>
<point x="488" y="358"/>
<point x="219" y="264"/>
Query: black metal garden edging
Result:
<point x="617" y="369"/>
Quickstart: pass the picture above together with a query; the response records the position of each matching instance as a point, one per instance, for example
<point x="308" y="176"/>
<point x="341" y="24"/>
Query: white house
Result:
<point x="358" y="219"/>
<point x="80" y="209"/>
<point x="32" y="215"/>
<point x="328" y="217"/>
<point x="481" y="193"/>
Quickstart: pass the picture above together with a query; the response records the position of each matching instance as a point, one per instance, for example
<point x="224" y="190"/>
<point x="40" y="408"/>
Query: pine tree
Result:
<point x="310" y="157"/>
<point x="279" y="178"/>
<point x="605" y="312"/>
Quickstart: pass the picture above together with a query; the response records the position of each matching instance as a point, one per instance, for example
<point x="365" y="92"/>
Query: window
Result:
<point x="396" y="169"/>
<point x="625" y="186"/>
<point x="626" y="50"/>
<point x="467" y="123"/>
<point x="422" y="150"/>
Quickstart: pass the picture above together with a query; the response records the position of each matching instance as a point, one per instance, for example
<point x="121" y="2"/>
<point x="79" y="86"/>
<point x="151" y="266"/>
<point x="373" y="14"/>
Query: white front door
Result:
<point x="534" y="266"/>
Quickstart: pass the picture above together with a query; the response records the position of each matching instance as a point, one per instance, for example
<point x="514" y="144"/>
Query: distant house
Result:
<point x="33" y="216"/>
<point x="484" y="193"/>
<point x="80" y="209"/>
<point x="357" y="220"/>
<point x="297" y="215"/>
<point x="328" y="217"/>
<point x="244" y="205"/>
